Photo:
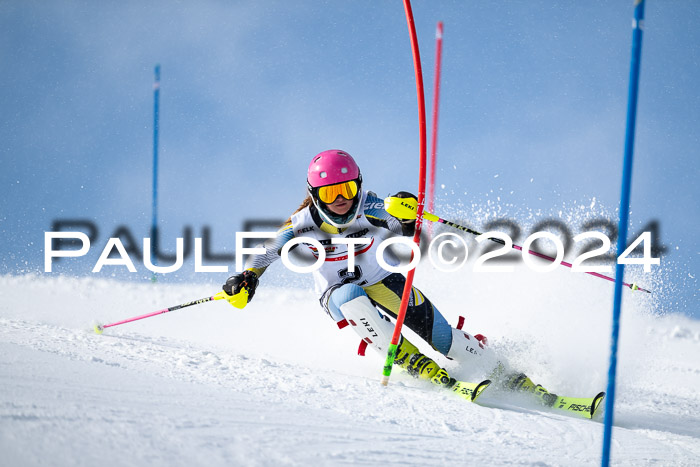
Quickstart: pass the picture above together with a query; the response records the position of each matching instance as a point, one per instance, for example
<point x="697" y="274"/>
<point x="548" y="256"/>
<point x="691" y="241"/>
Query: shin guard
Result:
<point x="373" y="327"/>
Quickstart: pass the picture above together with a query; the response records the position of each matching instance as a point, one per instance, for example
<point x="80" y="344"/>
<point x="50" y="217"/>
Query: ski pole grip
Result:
<point x="406" y="208"/>
<point x="401" y="208"/>
<point x="239" y="300"/>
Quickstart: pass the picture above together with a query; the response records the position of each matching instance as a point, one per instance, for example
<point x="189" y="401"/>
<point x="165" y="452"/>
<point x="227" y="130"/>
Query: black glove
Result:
<point x="408" y="225"/>
<point x="247" y="279"/>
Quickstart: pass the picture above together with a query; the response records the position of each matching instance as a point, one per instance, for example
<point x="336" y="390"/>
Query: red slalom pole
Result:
<point x="391" y="354"/>
<point x="436" y="107"/>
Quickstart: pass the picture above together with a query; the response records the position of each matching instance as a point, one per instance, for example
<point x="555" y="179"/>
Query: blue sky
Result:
<point x="532" y="118"/>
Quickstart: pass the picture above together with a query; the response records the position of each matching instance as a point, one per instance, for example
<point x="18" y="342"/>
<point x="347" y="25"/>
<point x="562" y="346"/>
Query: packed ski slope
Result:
<point x="278" y="384"/>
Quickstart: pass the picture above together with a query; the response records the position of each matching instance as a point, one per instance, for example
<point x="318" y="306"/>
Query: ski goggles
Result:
<point x="348" y="190"/>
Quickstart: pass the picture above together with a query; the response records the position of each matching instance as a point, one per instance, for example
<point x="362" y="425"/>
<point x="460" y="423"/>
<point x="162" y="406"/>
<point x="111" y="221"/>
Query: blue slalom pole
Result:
<point x="637" y="25"/>
<point x="154" y="206"/>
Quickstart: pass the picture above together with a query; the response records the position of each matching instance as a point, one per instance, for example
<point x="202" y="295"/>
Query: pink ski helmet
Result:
<point x="331" y="174"/>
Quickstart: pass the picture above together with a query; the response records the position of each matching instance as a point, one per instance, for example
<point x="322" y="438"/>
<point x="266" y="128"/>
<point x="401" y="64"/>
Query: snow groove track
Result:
<point x="154" y="394"/>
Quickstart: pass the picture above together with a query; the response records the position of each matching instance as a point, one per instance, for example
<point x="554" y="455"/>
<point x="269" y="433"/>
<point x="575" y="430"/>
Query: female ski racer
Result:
<point x="337" y="208"/>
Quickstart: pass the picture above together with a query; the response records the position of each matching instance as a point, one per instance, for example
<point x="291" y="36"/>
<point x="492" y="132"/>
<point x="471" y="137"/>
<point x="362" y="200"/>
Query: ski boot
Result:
<point x="521" y="383"/>
<point x="418" y="365"/>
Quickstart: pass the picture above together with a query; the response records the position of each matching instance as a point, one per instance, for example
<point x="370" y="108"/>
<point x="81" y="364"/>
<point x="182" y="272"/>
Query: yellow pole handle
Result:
<point x="406" y="208"/>
<point x="239" y="300"/>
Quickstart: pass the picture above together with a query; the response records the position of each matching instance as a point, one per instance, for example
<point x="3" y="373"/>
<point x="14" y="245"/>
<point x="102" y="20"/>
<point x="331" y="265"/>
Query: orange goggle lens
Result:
<point x="329" y="193"/>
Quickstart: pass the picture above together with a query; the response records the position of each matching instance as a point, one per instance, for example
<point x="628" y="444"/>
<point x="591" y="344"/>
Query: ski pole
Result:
<point x="238" y="300"/>
<point x="405" y="208"/>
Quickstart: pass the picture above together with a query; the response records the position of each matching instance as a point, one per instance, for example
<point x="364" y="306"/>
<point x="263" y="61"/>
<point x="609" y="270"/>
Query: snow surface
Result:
<point x="278" y="384"/>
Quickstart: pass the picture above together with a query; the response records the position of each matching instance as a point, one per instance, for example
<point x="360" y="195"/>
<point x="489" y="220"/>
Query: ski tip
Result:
<point x="597" y="400"/>
<point x="98" y="328"/>
<point x="480" y="388"/>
